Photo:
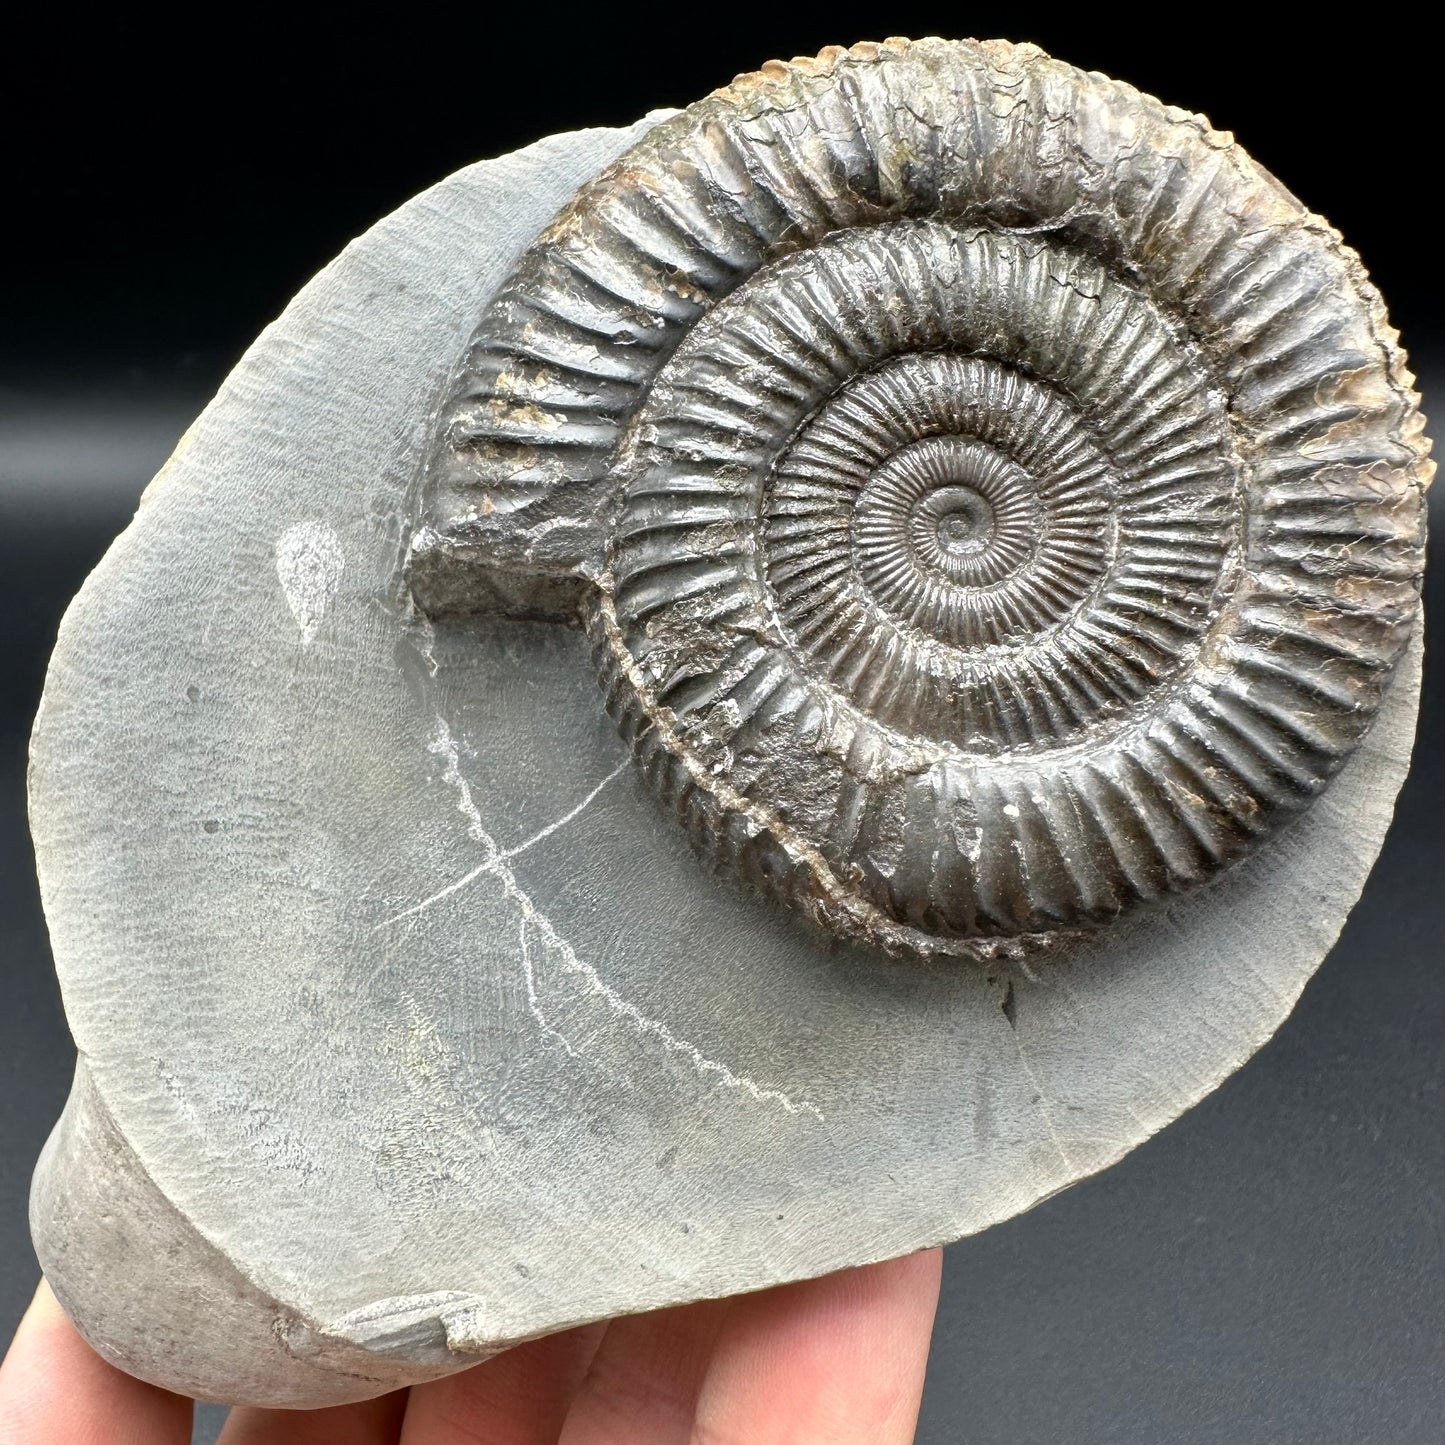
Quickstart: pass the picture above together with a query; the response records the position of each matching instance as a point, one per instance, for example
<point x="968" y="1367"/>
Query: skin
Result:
<point x="832" y="1361"/>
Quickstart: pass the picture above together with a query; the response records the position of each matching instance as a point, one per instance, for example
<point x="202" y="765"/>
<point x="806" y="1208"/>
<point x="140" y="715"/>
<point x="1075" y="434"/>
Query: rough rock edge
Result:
<point x="175" y="1310"/>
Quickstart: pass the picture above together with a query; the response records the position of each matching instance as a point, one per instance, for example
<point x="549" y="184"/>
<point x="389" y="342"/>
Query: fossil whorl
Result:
<point x="995" y="501"/>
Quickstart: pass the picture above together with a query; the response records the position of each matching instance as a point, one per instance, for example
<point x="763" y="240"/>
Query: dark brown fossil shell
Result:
<point x="996" y="502"/>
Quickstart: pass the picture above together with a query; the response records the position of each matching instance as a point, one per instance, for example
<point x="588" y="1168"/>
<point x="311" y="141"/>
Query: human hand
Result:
<point x="837" y="1360"/>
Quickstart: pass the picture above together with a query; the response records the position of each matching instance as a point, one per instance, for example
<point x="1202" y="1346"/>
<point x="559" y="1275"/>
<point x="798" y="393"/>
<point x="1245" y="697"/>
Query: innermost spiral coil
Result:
<point x="951" y="502"/>
<point x="960" y="512"/>
<point x="958" y="521"/>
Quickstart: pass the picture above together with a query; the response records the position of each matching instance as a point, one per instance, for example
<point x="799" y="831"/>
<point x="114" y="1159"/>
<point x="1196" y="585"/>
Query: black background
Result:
<point x="1267" y="1270"/>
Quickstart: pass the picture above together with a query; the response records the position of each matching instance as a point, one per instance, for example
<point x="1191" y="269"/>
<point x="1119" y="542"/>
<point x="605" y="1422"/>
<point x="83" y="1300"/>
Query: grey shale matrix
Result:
<point x="994" y="509"/>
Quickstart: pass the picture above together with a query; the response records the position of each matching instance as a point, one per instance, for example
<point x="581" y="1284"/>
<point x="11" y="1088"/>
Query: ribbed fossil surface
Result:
<point x="997" y="503"/>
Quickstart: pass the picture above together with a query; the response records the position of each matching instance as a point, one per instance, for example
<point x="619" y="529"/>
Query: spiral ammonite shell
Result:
<point x="995" y="501"/>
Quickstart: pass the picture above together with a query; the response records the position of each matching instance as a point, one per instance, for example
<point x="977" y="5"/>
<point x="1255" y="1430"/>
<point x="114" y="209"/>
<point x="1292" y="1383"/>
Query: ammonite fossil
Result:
<point x="993" y="506"/>
<point x="995" y="500"/>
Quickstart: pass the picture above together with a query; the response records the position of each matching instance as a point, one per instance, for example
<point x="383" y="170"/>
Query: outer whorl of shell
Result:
<point x="997" y="503"/>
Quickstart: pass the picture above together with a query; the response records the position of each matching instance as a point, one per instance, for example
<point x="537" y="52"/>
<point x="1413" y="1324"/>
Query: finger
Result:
<point x="644" y="1379"/>
<point x="520" y="1398"/>
<point x="55" y="1390"/>
<point x="833" y="1361"/>
<point x="370" y="1422"/>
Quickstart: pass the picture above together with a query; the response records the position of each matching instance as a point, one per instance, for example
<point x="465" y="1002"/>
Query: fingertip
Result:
<point x="922" y="1272"/>
<point x="840" y="1358"/>
<point x="45" y="1312"/>
<point x="54" y="1386"/>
